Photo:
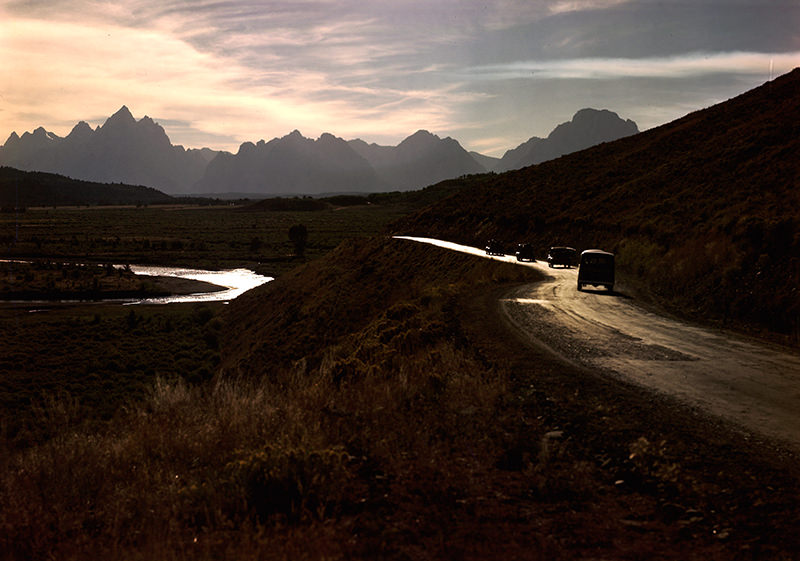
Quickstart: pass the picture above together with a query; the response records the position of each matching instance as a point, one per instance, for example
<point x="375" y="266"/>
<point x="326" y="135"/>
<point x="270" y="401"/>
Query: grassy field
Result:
<point x="101" y="356"/>
<point x="186" y="235"/>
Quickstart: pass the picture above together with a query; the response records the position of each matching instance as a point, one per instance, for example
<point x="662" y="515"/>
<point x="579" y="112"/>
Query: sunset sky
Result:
<point x="491" y="74"/>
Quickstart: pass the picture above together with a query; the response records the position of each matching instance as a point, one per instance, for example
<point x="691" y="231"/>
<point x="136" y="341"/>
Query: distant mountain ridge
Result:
<point x="587" y="128"/>
<point x="292" y="164"/>
<point x="124" y="150"/>
<point x="420" y="160"/>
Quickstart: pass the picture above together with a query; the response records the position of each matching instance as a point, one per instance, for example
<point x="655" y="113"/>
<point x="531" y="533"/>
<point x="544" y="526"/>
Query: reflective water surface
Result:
<point x="235" y="282"/>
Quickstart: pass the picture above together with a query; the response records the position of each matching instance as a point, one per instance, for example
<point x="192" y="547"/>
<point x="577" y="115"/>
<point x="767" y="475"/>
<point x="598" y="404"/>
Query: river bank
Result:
<point x="26" y="281"/>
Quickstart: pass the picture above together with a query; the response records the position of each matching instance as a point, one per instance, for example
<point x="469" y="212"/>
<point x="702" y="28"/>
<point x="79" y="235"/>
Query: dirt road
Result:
<point x="750" y="384"/>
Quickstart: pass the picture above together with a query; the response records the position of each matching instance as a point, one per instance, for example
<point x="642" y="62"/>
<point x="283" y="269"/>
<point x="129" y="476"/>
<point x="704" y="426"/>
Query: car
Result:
<point x="597" y="269"/>
<point x="525" y="252"/>
<point x="560" y="255"/>
<point x="494" y="247"/>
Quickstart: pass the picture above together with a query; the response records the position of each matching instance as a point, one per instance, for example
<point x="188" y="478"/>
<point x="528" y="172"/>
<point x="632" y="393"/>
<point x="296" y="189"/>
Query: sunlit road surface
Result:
<point x="755" y="386"/>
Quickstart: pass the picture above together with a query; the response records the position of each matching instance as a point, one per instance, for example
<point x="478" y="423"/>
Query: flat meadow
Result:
<point x="102" y="355"/>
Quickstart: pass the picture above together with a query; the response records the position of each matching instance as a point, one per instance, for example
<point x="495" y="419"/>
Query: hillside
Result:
<point x="19" y="189"/>
<point x="702" y="212"/>
<point x="459" y="436"/>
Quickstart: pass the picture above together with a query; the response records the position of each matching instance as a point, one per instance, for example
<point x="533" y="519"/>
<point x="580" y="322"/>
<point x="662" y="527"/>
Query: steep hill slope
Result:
<point x="701" y="211"/>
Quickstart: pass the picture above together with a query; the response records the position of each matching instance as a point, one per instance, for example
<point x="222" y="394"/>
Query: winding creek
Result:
<point x="233" y="281"/>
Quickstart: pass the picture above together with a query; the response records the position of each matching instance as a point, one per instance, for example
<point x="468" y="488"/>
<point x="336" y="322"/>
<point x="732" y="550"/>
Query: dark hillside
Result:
<point x="702" y="211"/>
<point x="28" y="188"/>
<point x="315" y="307"/>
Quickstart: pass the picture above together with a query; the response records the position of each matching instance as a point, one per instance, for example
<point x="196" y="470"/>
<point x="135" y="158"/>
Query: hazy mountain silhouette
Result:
<point x="124" y="150"/>
<point x="488" y="162"/>
<point x="121" y="150"/>
<point x="292" y="164"/>
<point x="588" y="127"/>
<point x="420" y="160"/>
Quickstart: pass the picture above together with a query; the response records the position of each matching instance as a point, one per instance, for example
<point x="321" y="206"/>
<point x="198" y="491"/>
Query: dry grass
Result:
<point x="226" y="469"/>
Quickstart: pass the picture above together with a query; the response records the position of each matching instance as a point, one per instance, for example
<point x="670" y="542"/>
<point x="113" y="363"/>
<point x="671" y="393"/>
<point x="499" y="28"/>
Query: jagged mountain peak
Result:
<point x="588" y="127"/>
<point x="123" y="149"/>
<point x="248" y="147"/>
<point x="122" y="116"/>
<point x="599" y="122"/>
<point x="81" y="131"/>
<point x="421" y="135"/>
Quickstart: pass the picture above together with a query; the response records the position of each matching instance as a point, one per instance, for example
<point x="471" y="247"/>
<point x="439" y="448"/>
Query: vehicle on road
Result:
<point x="525" y="252"/>
<point x="596" y="268"/>
<point x="494" y="247"/>
<point x="559" y="255"/>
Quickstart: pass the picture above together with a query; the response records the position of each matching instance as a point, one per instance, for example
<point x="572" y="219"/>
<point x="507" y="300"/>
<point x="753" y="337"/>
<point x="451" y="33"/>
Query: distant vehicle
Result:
<point x="494" y="247"/>
<point x="596" y="268"/>
<point x="525" y="252"/>
<point x="564" y="256"/>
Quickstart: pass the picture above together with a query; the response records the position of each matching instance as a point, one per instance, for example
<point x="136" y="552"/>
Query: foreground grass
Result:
<point x="306" y="458"/>
<point x="97" y="357"/>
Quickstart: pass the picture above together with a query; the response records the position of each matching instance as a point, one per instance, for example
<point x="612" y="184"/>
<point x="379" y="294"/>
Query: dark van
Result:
<point x="596" y="268"/>
<point x="564" y="256"/>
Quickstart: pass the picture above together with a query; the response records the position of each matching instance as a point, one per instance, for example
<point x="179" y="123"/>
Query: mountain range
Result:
<point x="124" y="150"/>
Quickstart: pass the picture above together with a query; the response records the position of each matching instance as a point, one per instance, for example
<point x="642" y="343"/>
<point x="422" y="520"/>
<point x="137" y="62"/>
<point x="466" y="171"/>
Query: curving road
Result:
<point x="755" y="386"/>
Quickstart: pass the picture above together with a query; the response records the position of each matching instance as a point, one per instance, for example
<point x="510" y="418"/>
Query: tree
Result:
<point x="298" y="235"/>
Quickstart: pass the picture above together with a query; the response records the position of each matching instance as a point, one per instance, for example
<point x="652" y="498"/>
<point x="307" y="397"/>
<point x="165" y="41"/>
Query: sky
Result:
<point x="491" y="74"/>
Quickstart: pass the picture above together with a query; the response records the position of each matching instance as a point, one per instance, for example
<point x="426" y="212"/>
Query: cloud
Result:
<point x="564" y="6"/>
<point x="683" y="66"/>
<point x="60" y="72"/>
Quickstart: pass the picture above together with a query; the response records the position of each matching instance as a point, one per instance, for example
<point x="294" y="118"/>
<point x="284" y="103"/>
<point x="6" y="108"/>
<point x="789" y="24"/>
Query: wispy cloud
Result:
<point x="563" y="6"/>
<point x="683" y="66"/>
